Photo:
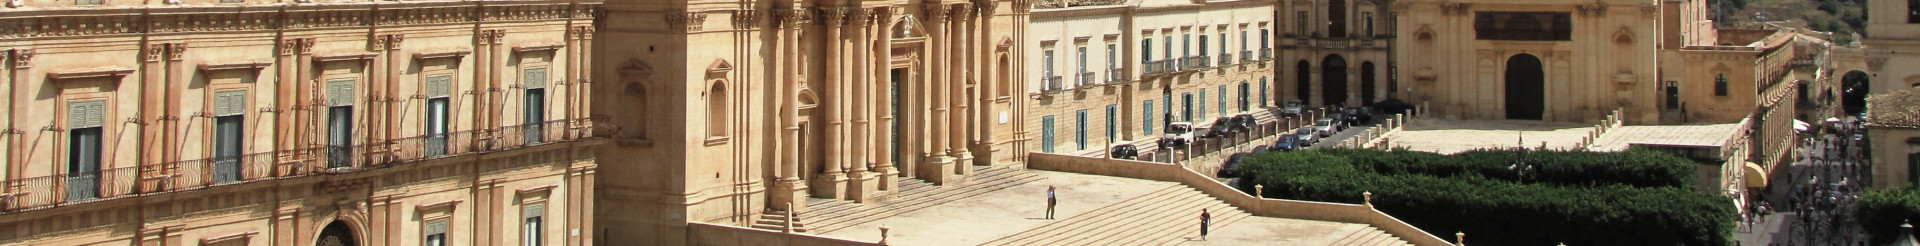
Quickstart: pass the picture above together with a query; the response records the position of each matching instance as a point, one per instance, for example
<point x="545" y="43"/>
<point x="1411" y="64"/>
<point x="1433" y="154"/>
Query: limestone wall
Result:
<point x="714" y="234"/>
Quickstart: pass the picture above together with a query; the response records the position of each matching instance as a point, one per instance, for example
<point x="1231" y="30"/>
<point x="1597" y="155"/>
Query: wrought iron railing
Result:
<point x="1195" y="62"/>
<point x="57" y="190"/>
<point x="1052" y="83"/>
<point x="1266" y="54"/>
<point x="1086" y="79"/>
<point x="1246" y="56"/>
<point x="1226" y="59"/>
<point x="1116" y="75"/>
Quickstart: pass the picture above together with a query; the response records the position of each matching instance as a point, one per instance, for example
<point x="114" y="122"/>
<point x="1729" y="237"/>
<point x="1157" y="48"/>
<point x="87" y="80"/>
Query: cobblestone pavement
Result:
<point x="1454" y="136"/>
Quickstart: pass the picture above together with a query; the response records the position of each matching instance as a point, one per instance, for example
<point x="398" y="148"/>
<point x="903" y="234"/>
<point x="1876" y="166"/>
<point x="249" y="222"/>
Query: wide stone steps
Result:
<point x="1369" y="236"/>
<point x="913" y="195"/>
<point x="1164" y="216"/>
<point x="774" y="220"/>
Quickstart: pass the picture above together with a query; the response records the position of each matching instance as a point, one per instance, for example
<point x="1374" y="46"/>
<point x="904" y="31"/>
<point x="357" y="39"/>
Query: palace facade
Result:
<point x="731" y="109"/>
<point x="248" y="122"/>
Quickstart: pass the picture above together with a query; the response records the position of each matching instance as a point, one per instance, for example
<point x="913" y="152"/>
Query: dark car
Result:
<point x="1357" y="115"/>
<point x="1232" y="167"/>
<point x="1222" y="127"/>
<point x="1244" y="123"/>
<point x="1288" y="142"/>
<point x="1366" y="114"/>
<point x="1125" y="151"/>
<point x="1340" y="122"/>
<point x="1260" y="149"/>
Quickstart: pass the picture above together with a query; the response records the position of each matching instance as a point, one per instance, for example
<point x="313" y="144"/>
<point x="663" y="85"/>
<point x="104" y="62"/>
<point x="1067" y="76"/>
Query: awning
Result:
<point x="1756" y="176"/>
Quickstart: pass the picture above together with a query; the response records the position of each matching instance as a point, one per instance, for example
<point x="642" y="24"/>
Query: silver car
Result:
<point x="1325" y="127"/>
<point x="1307" y="136"/>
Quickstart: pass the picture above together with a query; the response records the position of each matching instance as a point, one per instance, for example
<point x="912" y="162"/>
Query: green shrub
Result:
<point x="1445" y="194"/>
<point x="1882" y="211"/>
<point x="1634" y="168"/>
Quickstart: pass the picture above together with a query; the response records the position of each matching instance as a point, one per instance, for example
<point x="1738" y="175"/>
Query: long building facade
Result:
<point x="731" y="109"/>
<point x="247" y="122"/>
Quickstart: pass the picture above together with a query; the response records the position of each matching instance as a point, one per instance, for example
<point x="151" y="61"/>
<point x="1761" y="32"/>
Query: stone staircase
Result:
<point x="1370" y="236"/>
<point x="1164" y="216"/>
<point x="828" y="215"/>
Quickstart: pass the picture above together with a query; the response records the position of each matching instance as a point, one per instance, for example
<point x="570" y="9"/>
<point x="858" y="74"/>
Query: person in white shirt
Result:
<point x="1050" y="202"/>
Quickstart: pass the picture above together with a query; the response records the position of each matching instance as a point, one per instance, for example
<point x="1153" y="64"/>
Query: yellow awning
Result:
<point x="1756" y="176"/>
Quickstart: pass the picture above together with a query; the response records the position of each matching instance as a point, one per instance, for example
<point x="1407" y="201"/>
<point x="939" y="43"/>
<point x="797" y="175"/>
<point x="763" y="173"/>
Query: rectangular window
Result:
<point x="1046" y="70"/>
<point x="1264" y="39"/>
<point x="1913" y="16"/>
<point x="229" y="109"/>
<point x="1186" y="107"/>
<point x="1222" y="99"/>
<point x="1523" y="26"/>
<point x="531" y="233"/>
<point x="1113" y="54"/>
<point x="1203" y="44"/>
<point x="1673" y="95"/>
<point x="1244" y="94"/>
<point x="1300" y="24"/>
<point x="340" y="123"/>
<point x="1113" y="113"/>
<point x="1146" y="50"/>
<point x="1243" y="40"/>
<point x="1146" y="118"/>
<point x="439" y="87"/>
<point x="435" y="232"/>
<point x="1263" y="92"/>
<point x="536" y="105"/>
<point x="1366" y="19"/>
<point x="1046" y="134"/>
<point x="85" y="121"/>
<point x="1186" y="45"/>
<point x="1203" y="105"/>
<point x="1081" y="64"/>
<point x="1080" y="129"/>
<point x="1166" y="47"/>
<point x="1720" y="85"/>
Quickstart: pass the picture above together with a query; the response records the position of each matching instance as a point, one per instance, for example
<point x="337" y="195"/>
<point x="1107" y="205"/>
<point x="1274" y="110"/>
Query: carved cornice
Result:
<point x="237" y="18"/>
<point x="935" y="12"/>
<point x="525" y="12"/>
<point x="179" y="51"/>
<point x="685" y="20"/>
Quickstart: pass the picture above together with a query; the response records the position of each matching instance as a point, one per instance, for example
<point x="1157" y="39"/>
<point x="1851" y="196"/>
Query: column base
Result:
<point x="861" y="187"/>
<point x="889" y="183"/>
<point x="965" y="168"/>
<point x="830" y="185"/>
<point x="789" y="191"/>
<point x="939" y="170"/>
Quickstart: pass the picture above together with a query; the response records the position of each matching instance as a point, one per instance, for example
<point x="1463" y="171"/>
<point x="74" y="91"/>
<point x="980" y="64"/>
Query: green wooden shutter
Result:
<point x="233" y="102"/>
<point x="536" y="78"/>
<point x="440" y="86"/>
<point x="340" y="92"/>
<point x="86" y="114"/>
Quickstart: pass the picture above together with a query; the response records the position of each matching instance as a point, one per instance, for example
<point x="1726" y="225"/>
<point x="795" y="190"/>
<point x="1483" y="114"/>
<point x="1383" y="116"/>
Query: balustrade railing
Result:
<point x="1116" y="75"/>
<point x="1086" y="79"/>
<point x="1195" y="62"/>
<point x="1266" y="54"/>
<point x="1246" y="56"/>
<point x="1226" y="59"/>
<point x="81" y="187"/>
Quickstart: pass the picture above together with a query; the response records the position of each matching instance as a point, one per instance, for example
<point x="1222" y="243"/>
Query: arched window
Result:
<point x="1720" y="85"/>
<point x="717" y="110"/>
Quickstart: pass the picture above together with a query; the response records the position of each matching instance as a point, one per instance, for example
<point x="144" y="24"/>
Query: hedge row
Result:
<point x="1494" y="210"/>
<point x="1882" y="211"/>
<point x="1636" y="168"/>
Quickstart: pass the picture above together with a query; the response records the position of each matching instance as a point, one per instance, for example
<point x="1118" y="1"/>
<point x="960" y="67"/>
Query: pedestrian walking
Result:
<point x="1206" y="220"/>
<point x="1051" y="202"/>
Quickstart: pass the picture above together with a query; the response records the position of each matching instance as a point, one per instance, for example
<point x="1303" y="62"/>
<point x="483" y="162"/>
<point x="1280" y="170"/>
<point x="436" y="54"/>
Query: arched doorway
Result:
<point x="336" y="234"/>
<point x="1333" y="81"/>
<point x="1366" y="84"/>
<point x="1526" y="88"/>
<point x="1303" y="90"/>
<point x="1853" y="92"/>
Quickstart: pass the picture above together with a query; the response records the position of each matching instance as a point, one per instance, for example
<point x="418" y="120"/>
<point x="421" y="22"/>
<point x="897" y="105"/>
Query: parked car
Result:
<point x="1293" y="108"/>
<point x="1288" y="142"/>
<point x="1232" y="167"/>
<point x="1361" y="114"/>
<point x="1325" y="127"/>
<point x="1222" y="127"/>
<point x="1125" y="151"/>
<point x="1178" y="134"/>
<point x="1340" y="122"/>
<point x="1244" y="123"/>
<point x="1260" y="149"/>
<point x="1307" y="136"/>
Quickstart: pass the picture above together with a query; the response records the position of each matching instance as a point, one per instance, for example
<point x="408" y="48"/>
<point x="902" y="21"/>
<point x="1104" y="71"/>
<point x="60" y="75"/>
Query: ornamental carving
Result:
<point x="378" y="42"/>
<point x="1400" y="7"/>
<point x="746" y="19"/>
<point x="1593" y="9"/>
<point x="154" y="51"/>
<point x="833" y="16"/>
<point x="790" y="18"/>
<point x="587" y="33"/>
<point x="935" y="12"/>
<point x="986" y="8"/>
<point x="1022" y="6"/>
<point x="26" y="25"/>
<point x="524" y="12"/>
<point x="686" y="20"/>
<point x="961" y="12"/>
<point x="394" y="42"/>
<point x="881" y="15"/>
<point x="306" y="45"/>
<point x="23" y="58"/>
<point x="858" y="17"/>
<point x="179" y="51"/>
<point x="499" y="35"/>
<point x="288" y="45"/>
<point x="1650" y="10"/>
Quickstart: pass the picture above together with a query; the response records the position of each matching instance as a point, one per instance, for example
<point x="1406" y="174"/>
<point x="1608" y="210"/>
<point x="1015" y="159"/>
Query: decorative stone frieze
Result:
<point x="26" y="25"/>
<point x="687" y="20"/>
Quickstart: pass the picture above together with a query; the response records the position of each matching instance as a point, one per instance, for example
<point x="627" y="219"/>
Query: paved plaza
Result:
<point x="1455" y="136"/>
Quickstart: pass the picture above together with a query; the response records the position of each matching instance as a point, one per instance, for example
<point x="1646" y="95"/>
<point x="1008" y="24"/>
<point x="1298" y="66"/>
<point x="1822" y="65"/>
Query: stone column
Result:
<point x="883" y="99"/>
<point x="989" y="86"/>
<point x="396" y="62"/>
<point x="482" y="53"/>
<point x="957" y="87"/>
<point x="586" y="76"/>
<point x="494" y="91"/>
<point x="790" y="191"/>
<point x="304" y="84"/>
<point x="152" y="109"/>
<point x="940" y="168"/>
<point x="15" y="76"/>
<point x="833" y="183"/>
<point x="862" y="186"/>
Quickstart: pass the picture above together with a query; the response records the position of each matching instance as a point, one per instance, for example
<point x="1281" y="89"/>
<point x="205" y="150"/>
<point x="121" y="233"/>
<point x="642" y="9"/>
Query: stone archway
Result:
<point x="336" y="234"/>
<point x="1525" y="88"/>
<point x="1333" y="81"/>
<point x="1853" y="92"/>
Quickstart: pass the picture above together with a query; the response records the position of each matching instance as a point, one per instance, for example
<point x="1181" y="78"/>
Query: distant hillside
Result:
<point x="1842" y="17"/>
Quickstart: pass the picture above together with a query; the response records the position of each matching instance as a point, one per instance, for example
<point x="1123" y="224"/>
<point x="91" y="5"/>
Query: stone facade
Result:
<point x="1116" y="73"/>
<point x="1336" y="52"/>
<point x="733" y="108"/>
<point x="203" y="122"/>
<point x="1570" y="62"/>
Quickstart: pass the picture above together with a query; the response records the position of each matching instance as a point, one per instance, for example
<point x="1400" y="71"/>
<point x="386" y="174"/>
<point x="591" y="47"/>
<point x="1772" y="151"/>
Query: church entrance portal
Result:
<point x="1333" y="81"/>
<point x="1525" y="88"/>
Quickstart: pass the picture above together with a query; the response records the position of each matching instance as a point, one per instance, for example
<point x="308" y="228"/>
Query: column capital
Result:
<point x="832" y="16"/>
<point x="935" y="12"/>
<point x="177" y="51"/>
<point x="155" y="51"/>
<point x="23" y="58"/>
<point x="306" y="45"/>
<point x="394" y="41"/>
<point x="961" y="11"/>
<point x="858" y="17"/>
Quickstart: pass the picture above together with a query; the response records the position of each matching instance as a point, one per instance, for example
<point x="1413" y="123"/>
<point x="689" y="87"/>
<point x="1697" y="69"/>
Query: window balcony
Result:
<point x="132" y="180"/>
<point x="1116" y="75"/>
<point x="1226" y="59"/>
<point x="1246" y="56"/>
<point x="1169" y="65"/>
<point x="1266" y="54"/>
<point x="1150" y="67"/>
<point x="1195" y="62"/>
<point x="1086" y="79"/>
<point x="1051" y="83"/>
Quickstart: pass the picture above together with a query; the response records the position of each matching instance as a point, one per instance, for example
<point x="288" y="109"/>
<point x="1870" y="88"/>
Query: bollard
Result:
<point x="883" y="234"/>
<point x="1258" y="190"/>
<point x="1369" y="197"/>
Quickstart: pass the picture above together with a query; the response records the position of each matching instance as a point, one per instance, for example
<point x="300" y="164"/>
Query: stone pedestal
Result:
<point x="939" y="170"/>
<point x="963" y="166"/>
<point x="862" y="186"/>
<point x="830" y="185"/>
<point x="790" y="194"/>
<point x="889" y="182"/>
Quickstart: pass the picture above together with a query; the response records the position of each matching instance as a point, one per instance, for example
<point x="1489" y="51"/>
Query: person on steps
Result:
<point x="1050" y="202"/>
<point x="1206" y="219"/>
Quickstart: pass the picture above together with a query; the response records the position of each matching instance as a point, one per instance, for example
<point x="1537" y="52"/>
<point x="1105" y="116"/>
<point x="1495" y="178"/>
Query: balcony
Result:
<point x="1051" y="83"/>
<point x="33" y="193"/>
<point x="1226" y="59"/>
<point x="1266" y="54"/>
<point x="1169" y="65"/>
<point x="1246" y="56"/>
<point x="1116" y="75"/>
<point x="1086" y="79"/>
<point x="1195" y="62"/>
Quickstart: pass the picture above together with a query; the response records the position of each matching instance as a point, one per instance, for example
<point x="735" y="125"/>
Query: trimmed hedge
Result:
<point x="1457" y="195"/>
<point x="1638" y="168"/>
<point x="1882" y="211"/>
